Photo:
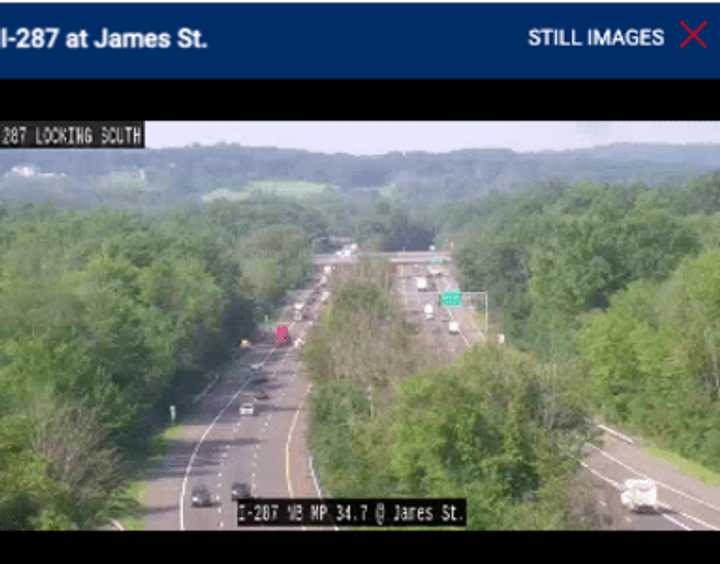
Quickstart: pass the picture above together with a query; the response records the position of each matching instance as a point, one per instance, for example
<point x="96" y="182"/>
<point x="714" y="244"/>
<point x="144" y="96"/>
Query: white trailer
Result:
<point x="640" y="495"/>
<point x="429" y="312"/>
<point x="421" y="283"/>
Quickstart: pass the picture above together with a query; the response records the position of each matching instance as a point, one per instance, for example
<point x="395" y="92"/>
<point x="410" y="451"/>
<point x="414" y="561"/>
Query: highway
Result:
<point x="686" y="504"/>
<point x="268" y="451"/>
<point x="217" y="446"/>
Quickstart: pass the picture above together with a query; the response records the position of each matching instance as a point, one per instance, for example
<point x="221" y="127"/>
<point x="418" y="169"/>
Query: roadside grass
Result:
<point x="686" y="466"/>
<point x="134" y="517"/>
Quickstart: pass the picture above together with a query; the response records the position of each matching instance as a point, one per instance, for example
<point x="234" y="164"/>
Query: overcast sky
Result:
<point x="368" y="138"/>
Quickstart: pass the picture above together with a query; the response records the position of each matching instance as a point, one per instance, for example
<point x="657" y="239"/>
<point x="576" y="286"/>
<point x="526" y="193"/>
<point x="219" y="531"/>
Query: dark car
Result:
<point x="239" y="490"/>
<point x="259" y="380"/>
<point x="262" y="395"/>
<point x="201" y="497"/>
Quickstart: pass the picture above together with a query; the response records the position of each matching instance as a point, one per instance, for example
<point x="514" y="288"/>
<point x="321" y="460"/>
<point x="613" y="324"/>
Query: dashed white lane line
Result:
<point x="667" y="487"/>
<point x="618" y="487"/>
<point x="219" y="474"/>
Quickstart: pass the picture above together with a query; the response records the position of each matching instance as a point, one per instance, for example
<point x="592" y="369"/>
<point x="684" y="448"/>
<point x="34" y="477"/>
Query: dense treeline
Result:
<point x="103" y="315"/>
<point x="165" y="177"/>
<point x="497" y="428"/>
<point x="624" y="278"/>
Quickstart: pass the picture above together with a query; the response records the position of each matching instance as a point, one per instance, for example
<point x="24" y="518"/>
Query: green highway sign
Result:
<point x="436" y="260"/>
<point x="451" y="299"/>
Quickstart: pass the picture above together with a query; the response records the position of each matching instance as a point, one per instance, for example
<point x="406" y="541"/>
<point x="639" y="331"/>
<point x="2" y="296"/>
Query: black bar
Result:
<point x="72" y="134"/>
<point x="351" y="512"/>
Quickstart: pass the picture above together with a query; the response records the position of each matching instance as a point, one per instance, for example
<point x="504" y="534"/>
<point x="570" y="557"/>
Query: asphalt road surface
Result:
<point x="685" y="503"/>
<point x="218" y="446"/>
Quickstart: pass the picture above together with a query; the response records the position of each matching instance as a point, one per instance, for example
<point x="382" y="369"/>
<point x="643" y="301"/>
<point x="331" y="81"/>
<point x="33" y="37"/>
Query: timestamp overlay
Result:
<point x="345" y="512"/>
<point x="72" y="135"/>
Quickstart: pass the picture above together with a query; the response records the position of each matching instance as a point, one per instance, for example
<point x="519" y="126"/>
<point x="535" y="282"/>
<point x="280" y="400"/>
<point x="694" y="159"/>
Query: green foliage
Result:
<point x="653" y="358"/>
<point x="104" y="314"/>
<point x="497" y="428"/>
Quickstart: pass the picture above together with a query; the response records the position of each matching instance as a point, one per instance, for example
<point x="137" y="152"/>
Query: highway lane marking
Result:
<point x="188" y="468"/>
<point x="618" y="487"/>
<point x="616" y="433"/>
<point x="667" y="487"/>
<point x="289" y="440"/>
<point x="317" y="484"/>
<point x="690" y="517"/>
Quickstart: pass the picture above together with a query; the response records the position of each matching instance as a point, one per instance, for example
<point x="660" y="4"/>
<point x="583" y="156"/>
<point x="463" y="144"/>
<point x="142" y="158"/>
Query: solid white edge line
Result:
<point x="615" y="433"/>
<point x="188" y="468"/>
<point x="617" y="486"/>
<point x="667" y="487"/>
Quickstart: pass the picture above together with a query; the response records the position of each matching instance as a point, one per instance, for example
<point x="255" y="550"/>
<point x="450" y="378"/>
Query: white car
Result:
<point x="453" y="328"/>
<point x="247" y="409"/>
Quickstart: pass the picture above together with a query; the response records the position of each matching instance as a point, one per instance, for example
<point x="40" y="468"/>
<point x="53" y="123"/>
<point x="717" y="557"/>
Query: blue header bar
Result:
<point x="360" y="40"/>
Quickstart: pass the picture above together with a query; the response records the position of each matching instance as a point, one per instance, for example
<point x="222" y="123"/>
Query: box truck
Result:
<point x="298" y="311"/>
<point x="282" y="335"/>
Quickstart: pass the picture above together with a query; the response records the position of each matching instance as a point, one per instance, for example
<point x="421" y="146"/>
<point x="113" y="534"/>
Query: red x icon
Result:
<point x="693" y="34"/>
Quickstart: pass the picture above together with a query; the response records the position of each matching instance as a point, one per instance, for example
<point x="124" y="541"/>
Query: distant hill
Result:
<point x="161" y="177"/>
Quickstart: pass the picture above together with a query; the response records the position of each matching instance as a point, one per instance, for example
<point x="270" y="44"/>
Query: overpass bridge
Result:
<point x="414" y="257"/>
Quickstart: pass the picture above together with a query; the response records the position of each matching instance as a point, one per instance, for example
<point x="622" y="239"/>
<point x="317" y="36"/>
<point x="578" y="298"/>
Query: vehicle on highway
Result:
<point x="201" y="496"/>
<point x="429" y="312"/>
<point x="421" y="283"/>
<point x="323" y="280"/>
<point x="640" y="496"/>
<point x="298" y="311"/>
<point x="259" y="380"/>
<point x="282" y="335"/>
<point x="432" y="248"/>
<point x="453" y="328"/>
<point x="324" y="297"/>
<point x="245" y="344"/>
<point x="239" y="490"/>
<point x="247" y="408"/>
<point x="255" y="367"/>
<point x="327" y="270"/>
<point x="262" y="395"/>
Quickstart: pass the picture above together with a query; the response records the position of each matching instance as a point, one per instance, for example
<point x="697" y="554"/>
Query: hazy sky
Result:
<point x="367" y="138"/>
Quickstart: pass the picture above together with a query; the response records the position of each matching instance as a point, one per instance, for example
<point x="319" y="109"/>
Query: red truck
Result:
<point x="282" y="335"/>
